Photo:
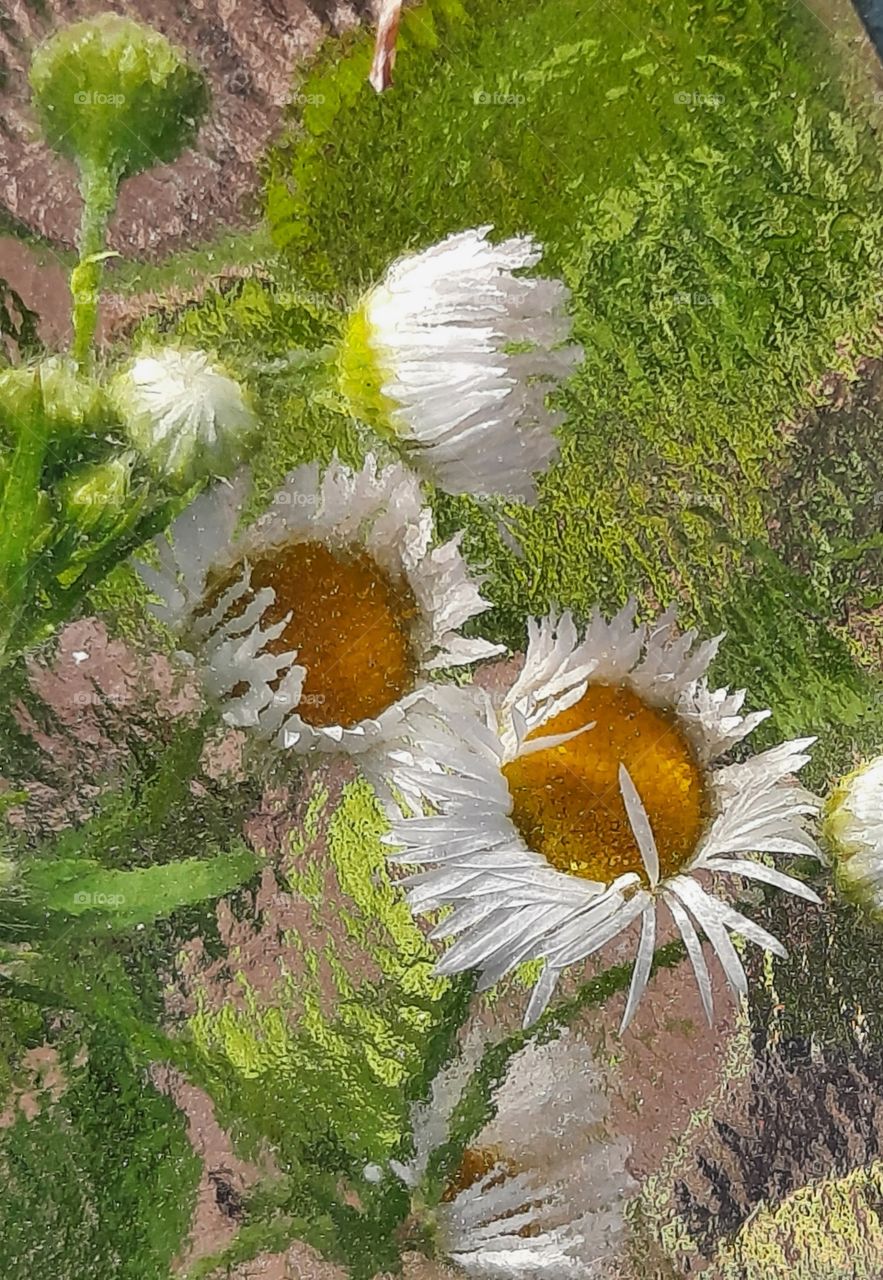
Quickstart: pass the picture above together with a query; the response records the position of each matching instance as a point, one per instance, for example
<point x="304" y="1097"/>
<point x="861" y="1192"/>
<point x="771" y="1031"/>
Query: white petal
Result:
<point x="644" y="960"/>
<point x="442" y="324"/>
<point x="703" y="908"/>
<point x="640" y="824"/>
<point x="694" y="951"/>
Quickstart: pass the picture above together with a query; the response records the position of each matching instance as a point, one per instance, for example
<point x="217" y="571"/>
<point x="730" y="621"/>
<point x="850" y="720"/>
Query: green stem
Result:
<point x="21" y="511"/>
<point x="127" y="540"/>
<point x="476" y="1106"/>
<point x="99" y="191"/>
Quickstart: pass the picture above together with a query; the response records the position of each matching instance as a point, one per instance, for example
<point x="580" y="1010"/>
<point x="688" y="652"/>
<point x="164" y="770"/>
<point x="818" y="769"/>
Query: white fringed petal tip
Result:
<point x="854" y="830"/>
<point x="466" y="353"/>
<point x="617" y="731"/>
<point x="217" y="594"/>
<point x="184" y="413"/>
<point x="544" y="1191"/>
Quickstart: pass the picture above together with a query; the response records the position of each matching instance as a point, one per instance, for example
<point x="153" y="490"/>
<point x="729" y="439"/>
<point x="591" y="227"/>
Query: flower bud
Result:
<point x="95" y="497"/>
<point x="116" y="96"/>
<point x="70" y="403"/>
<point x="854" y="829"/>
<point x="453" y="355"/>
<point x="185" y="414"/>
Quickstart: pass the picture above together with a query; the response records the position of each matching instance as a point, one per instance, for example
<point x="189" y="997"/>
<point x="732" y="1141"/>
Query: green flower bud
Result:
<point x="95" y="497"/>
<point x="185" y="414"/>
<point x="115" y="96"/>
<point x="70" y="403"/>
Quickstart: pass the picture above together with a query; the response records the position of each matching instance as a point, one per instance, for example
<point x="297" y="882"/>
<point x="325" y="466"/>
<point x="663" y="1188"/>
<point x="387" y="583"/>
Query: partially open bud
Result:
<point x="854" y="830"/>
<point x="452" y="356"/>
<point x="185" y="414"/>
<point x="95" y="497"/>
<point x="116" y="96"/>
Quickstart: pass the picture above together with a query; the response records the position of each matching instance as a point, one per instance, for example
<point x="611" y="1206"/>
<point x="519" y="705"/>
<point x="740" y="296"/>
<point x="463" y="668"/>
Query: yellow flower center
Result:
<point x="350" y="624"/>
<point x="567" y="802"/>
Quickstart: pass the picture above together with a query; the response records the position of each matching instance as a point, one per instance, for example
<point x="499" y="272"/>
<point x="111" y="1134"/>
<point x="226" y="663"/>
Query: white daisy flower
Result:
<point x="184" y="413"/>
<point x="319" y="626"/>
<point x="854" y="828"/>
<point x="589" y="797"/>
<point x="456" y="355"/>
<point x="541" y="1191"/>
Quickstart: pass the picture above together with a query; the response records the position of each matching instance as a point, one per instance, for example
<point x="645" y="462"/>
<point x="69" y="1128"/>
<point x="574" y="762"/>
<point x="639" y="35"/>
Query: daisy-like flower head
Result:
<point x="185" y="414"/>
<point x="455" y="354"/>
<point x="854" y="830"/>
<point x="319" y="625"/>
<point x="591" y="796"/>
<point x="540" y="1192"/>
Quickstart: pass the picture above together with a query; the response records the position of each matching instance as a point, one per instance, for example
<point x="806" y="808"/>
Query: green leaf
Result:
<point x="118" y="900"/>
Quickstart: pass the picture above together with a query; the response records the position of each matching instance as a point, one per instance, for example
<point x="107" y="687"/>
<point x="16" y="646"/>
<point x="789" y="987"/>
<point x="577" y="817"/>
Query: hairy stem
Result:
<point x="99" y="191"/>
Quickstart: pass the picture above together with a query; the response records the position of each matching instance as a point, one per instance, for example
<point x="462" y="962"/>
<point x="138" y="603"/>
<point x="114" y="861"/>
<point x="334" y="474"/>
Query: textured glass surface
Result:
<point x="441" y="627"/>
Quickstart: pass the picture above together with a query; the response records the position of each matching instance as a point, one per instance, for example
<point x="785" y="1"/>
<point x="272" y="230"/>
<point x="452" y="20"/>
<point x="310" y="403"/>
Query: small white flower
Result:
<point x="187" y="416"/>
<point x="854" y="827"/>
<point x="320" y="625"/>
<point x="587" y="799"/>
<point x="541" y="1190"/>
<point x="457" y="354"/>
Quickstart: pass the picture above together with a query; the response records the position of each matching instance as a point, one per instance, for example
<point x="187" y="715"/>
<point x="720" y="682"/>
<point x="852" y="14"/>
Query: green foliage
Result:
<point x="119" y="900"/>
<point x="829" y="498"/>
<point x="338" y="1071"/>
<point x="829" y="1228"/>
<point x="74" y="407"/>
<point x="100" y="1185"/>
<point x="90" y="916"/>
<point x="62" y="524"/>
<point x="22" y="1027"/>
<point x="115" y="96"/>
<point x="780" y="646"/>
